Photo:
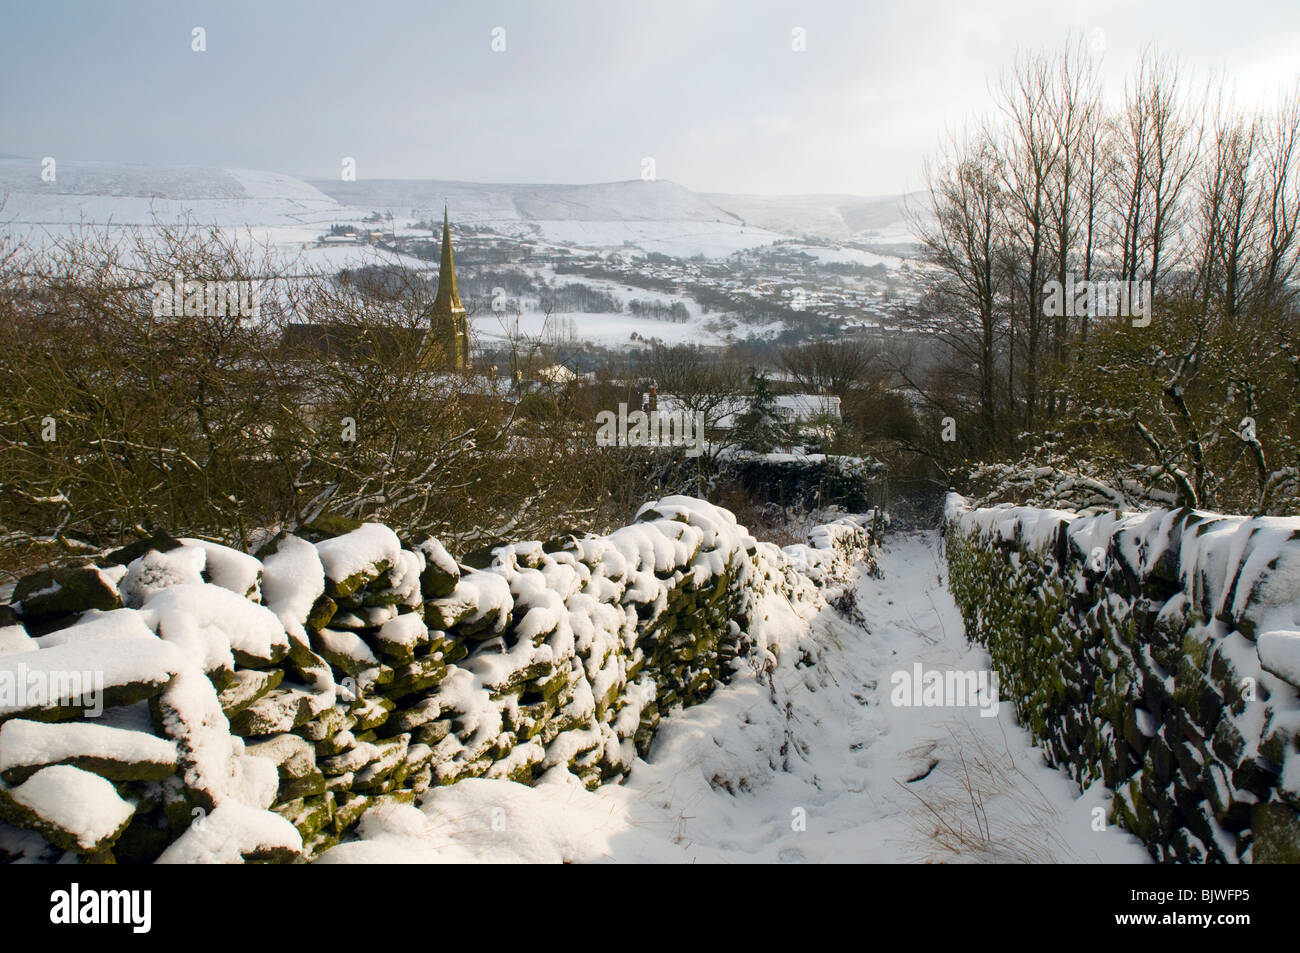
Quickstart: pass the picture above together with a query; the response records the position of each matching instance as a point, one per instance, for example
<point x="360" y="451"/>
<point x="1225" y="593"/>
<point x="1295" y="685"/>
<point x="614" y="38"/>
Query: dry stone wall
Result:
<point x="1156" y="652"/>
<point x="182" y="701"/>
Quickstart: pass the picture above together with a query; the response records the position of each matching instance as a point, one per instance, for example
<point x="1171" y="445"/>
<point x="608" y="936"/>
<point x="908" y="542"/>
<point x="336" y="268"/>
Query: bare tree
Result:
<point x="1155" y="142"/>
<point x="964" y="239"/>
<point x="1074" y="188"/>
<point x="1031" y="152"/>
<point x="699" y="383"/>
<point x="830" y="367"/>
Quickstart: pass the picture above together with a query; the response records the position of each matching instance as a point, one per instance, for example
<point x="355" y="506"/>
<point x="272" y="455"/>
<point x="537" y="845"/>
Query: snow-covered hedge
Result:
<point x="187" y="702"/>
<point x="1156" y="651"/>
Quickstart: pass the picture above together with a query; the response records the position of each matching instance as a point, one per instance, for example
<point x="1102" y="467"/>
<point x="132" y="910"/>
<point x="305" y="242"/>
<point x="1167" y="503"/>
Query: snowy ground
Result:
<point x="818" y="766"/>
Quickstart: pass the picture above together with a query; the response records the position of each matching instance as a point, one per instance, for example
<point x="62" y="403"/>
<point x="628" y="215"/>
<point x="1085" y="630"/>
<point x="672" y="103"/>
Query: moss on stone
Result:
<point x="56" y="593"/>
<point x="327" y="526"/>
<point x="1277" y="834"/>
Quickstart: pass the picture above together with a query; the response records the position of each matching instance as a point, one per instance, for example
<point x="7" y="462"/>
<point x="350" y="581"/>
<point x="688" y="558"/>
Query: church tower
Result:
<point x="449" y="322"/>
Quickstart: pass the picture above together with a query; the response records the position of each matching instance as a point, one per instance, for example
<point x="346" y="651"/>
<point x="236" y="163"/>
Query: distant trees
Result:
<point x="114" y="418"/>
<point x="118" y="418"/>
<point x="834" y="367"/>
<point x="659" y="310"/>
<point x="576" y="296"/>
<point x="1176" y="190"/>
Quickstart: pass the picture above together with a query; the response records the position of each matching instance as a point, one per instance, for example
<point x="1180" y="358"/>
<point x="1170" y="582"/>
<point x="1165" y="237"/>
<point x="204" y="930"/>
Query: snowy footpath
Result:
<point x="814" y="763"/>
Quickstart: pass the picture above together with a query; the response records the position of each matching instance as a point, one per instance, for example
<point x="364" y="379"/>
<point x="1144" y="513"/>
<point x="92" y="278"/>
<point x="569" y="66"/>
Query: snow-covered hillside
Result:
<point x="609" y="201"/>
<point x="99" y="193"/>
<point x="881" y="220"/>
<point x="831" y="217"/>
<point x="603" y="214"/>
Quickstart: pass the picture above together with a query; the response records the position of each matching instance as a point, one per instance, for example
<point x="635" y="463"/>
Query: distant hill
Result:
<point x="605" y="202"/>
<point x="837" y="217"/>
<point x="127" y="194"/>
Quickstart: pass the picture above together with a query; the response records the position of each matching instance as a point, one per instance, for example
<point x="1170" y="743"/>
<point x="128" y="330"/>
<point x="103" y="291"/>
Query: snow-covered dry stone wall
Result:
<point x="1158" y="652"/>
<point x="188" y="702"/>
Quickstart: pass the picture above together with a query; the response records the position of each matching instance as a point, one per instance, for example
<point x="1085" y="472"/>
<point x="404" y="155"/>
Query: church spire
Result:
<point x="448" y="299"/>
<point x="449" y="323"/>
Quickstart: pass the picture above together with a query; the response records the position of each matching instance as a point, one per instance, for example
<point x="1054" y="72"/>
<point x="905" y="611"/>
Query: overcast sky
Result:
<point x="713" y="91"/>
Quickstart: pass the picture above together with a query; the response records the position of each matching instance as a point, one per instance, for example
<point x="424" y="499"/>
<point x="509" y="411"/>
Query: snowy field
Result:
<point x="610" y="330"/>
<point x="818" y="766"/>
<point x="677" y="239"/>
